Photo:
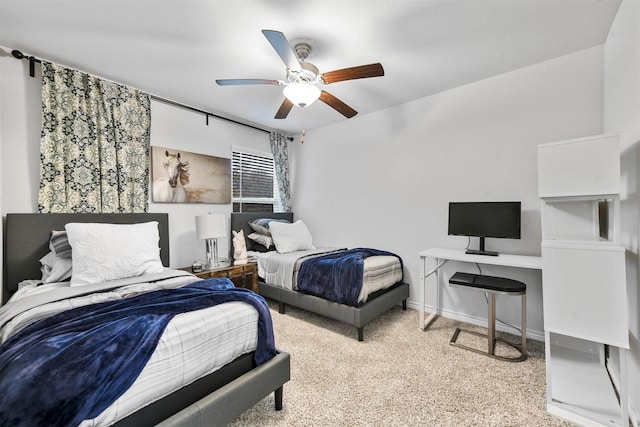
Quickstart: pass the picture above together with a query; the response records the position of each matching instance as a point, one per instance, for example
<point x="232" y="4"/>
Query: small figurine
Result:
<point x="239" y="248"/>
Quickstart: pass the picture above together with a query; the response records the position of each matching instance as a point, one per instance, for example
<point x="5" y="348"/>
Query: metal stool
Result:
<point x="492" y="286"/>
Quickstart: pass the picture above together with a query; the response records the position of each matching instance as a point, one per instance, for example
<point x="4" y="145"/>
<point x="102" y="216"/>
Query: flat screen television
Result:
<point x="485" y="219"/>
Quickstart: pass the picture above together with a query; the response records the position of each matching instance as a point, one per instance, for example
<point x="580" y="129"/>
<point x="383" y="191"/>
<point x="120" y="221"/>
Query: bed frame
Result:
<point x="213" y="400"/>
<point x="355" y="316"/>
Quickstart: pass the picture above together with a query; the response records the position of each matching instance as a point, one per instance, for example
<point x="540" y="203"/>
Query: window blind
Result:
<point x="253" y="181"/>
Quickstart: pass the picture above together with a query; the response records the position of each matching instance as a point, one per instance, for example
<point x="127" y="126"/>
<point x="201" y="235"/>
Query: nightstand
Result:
<point x="242" y="276"/>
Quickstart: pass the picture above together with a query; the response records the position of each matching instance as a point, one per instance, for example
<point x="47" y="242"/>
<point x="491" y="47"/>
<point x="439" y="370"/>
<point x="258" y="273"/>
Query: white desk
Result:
<point x="442" y="256"/>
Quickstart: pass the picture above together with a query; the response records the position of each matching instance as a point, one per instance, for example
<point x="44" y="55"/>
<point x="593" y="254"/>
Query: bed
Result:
<point x="213" y="399"/>
<point x="358" y="315"/>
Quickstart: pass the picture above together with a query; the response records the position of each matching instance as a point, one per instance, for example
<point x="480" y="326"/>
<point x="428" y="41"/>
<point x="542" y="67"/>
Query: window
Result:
<point x="254" y="184"/>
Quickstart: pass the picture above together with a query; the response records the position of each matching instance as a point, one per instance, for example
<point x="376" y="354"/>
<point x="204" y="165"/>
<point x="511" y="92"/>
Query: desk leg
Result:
<point x="424" y="274"/>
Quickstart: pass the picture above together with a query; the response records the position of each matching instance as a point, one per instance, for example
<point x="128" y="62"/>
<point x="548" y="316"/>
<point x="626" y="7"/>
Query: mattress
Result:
<point x="280" y="270"/>
<point x="194" y="344"/>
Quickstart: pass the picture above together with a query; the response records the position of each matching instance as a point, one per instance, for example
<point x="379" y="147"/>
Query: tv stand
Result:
<point x="480" y="252"/>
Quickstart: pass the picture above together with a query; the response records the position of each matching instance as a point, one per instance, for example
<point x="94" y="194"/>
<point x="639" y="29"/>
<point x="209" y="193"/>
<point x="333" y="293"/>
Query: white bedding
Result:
<point x="33" y="301"/>
<point x="280" y="270"/>
<point x="194" y="344"/>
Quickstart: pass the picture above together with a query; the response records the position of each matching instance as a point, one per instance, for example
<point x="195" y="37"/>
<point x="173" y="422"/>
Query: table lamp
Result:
<point x="209" y="227"/>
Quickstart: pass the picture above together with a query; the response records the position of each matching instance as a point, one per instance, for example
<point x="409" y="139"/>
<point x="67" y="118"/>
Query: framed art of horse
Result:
<point x="183" y="177"/>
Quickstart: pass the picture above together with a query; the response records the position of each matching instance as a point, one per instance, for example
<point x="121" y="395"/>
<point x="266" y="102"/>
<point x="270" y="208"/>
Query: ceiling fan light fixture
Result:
<point x="301" y="94"/>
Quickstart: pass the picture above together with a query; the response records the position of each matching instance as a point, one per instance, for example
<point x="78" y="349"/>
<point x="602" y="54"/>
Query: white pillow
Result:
<point x="291" y="237"/>
<point x="103" y="252"/>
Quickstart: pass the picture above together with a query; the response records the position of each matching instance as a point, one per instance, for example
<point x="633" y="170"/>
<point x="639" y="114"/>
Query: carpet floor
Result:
<point x="399" y="376"/>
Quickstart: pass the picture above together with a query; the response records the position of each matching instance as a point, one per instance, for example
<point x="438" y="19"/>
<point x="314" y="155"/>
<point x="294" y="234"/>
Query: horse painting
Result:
<point x="171" y="188"/>
<point x="203" y="179"/>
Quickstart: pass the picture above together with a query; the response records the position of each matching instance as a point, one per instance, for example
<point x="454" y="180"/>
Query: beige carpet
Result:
<point x="398" y="376"/>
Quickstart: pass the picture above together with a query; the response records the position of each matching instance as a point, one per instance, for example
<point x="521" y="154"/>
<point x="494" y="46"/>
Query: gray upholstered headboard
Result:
<point x="26" y="240"/>
<point x="240" y="221"/>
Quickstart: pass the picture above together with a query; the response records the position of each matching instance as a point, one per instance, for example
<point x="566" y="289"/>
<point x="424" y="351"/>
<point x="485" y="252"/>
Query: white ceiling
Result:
<point x="176" y="49"/>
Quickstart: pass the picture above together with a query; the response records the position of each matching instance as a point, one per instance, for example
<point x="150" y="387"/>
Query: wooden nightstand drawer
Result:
<point x="242" y="276"/>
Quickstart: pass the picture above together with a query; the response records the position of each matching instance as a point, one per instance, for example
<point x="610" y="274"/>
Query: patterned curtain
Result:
<point x="279" y="148"/>
<point x="95" y="144"/>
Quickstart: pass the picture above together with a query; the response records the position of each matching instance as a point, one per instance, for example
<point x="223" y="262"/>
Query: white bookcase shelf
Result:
<point x="584" y="219"/>
<point x="583" y="278"/>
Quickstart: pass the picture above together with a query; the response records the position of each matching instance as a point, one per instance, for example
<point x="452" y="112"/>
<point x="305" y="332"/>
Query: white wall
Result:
<point x="20" y="144"/>
<point x="385" y="179"/>
<point x="19" y="115"/>
<point x="170" y="127"/>
<point x="185" y="130"/>
<point x="621" y="115"/>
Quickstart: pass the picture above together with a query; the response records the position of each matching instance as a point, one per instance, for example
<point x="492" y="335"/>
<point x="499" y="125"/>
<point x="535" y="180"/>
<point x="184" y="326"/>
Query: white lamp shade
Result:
<point x="210" y="226"/>
<point x="301" y="94"/>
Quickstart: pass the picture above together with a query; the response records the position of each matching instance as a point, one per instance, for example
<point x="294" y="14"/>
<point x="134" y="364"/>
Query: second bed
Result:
<point x="382" y="288"/>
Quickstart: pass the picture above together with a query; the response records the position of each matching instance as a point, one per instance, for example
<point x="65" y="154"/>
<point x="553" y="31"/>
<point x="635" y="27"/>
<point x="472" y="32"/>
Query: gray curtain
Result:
<point x="279" y="148"/>
<point x="95" y="143"/>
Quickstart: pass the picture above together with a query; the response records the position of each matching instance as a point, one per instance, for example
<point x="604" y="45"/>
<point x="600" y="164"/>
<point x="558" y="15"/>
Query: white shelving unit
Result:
<point x="583" y="278"/>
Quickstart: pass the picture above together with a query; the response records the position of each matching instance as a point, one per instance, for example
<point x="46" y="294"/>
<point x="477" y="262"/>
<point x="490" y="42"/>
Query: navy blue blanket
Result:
<point x="337" y="276"/>
<point x="71" y="366"/>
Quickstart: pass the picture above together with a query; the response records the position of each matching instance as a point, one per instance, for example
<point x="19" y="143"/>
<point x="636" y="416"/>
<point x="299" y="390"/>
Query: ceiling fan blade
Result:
<point x="231" y="82"/>
<point x="283" y="49"/>
<point x="284" y="109"/>
<point x="337" y="105"/>
<point x="352" y="73"/>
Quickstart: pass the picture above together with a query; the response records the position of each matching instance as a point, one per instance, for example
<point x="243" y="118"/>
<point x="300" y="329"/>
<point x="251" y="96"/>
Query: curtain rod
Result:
<point x="206" y="113"/>
<point x="32" y="61"/>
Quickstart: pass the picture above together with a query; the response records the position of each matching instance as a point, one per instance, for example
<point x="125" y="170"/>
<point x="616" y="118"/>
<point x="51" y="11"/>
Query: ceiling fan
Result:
<point x="303" y="77"/>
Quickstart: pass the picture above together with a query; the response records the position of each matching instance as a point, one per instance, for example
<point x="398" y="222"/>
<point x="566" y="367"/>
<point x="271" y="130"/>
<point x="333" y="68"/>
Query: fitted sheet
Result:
<point x="280" y="270"/>
<point x="193" y="345"/>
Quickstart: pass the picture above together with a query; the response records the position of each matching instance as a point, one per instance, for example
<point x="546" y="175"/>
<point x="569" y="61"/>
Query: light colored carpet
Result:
<point x="398" y="376"/>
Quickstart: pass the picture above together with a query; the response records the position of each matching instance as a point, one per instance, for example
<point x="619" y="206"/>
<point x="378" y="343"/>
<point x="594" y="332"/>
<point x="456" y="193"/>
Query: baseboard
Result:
<point x="480" y="321"/>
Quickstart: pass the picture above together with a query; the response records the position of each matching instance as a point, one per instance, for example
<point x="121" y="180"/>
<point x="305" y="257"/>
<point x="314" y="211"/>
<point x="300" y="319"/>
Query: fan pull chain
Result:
<point x="302" y="137"/>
